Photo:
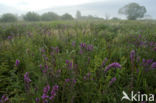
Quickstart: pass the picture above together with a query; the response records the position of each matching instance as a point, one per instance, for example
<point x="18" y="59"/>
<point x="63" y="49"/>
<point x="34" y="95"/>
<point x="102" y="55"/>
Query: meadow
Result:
<point x="76" y="61"/>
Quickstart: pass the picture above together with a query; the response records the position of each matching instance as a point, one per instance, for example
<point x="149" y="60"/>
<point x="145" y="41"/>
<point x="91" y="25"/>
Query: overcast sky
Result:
<point x="94" y="7"/>
<point x="42" y="4"/>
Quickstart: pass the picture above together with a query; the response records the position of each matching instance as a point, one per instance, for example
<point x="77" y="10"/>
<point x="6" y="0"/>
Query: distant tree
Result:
<point x="50" y="16"/>
<point x="115" y="18"/>
<point x="133" y="11"/>
<point x="67" y="17"/>
<point x="31" y="16"/>
<point x="78" y="15"/>
<point x="8" y="17"/>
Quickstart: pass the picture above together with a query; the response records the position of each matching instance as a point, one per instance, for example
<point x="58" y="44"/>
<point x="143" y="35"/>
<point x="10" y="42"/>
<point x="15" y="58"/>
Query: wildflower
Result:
<point x="112" y="81"/>
<point x="153" y="65"/>
<point x="9" y="37"/>
<point x="45" y="92"/>
<point x="89" y="47"/>
<point x="41" y="66"/>
<point x="132" y="56"/>
<point x="83" y="45"/>
<point x="42" y="50"/>
<point x="37" y="100"/>
<point x="53" y="92"/>
<point x="73" y="43"/>
<point x="155" y="49"/>
<point x="74" y="81"/>
<point x="4" y="99"/>
<point x="67" y="80"/>
<point x="81" y="51"/>
<point x="69" y="64"/>
<point x="26" y="78"/>
<point x="17" y="62"/>
<point x="113" y="65"/>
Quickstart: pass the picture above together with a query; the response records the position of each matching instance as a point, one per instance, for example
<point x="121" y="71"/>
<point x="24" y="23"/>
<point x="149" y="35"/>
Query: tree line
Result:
<point x="132" y="11"/>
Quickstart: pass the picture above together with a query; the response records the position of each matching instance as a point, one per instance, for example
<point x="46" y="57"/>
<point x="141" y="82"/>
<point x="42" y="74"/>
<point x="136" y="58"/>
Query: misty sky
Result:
<point x="42" y="4"/>
<point x="95" y="7"/>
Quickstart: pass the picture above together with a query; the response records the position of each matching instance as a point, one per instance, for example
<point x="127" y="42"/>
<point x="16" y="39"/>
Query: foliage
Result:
<point x="31" y="16"/>
<point x="8" y="18"/>
<point x="49" y="16"/>
<point x="133" y="11"/>
<point x="66" y="17"/>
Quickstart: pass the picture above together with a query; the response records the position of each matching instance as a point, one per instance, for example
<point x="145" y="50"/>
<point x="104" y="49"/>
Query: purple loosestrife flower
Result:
<point x="69" y="64"/>
<point x="81" y="51"/>
<point x="153" y="65"/>
<point x="37" y="100"/>
<point x="45" y="92"/>
<point x="73" y="43"/>
<point x="67" y="80"/>
<point x="4" y="99"/>
<point x="42" y="50"/>
<point x="26" y="78"/>
<point x="9" y="37"/>
<point x="132" y="56"/>
<point x="89" y="47"/>
<point x="113" y="65"/>
<point x="155" y="49"/>
<point x="17" y="62"/>
<point x="53" y="92"/>
<point x="112" y="81"/>
<point x="83" y="45"/>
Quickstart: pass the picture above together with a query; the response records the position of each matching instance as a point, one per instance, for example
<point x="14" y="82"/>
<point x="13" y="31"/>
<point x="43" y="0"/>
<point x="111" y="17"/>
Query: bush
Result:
<point x="31" y="16"/>
<point x="8" y="18"/>
<point x="67" y="17"/>
<point x="50" y="16"/>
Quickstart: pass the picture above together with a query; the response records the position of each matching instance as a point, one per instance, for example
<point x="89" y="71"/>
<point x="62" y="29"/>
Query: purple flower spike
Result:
<point x="83" y="45"/>
<point x="153" y="65"/>
<point x="89" y="47"/>
<point x="4" y="99"/>
<point x="9" y="37"/>
<point x="67" y="80"/>
<point x="17" y="62"/>
<point x="26" y="78"/>
<point x="132" y="56"/>
<point x="37" y="100"/>
<point x="53" y="92"/>
<point x="112" y="81"/>
<point x="113" y="65"/>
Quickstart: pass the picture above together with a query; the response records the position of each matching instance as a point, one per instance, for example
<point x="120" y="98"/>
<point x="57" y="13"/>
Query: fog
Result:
<point x="99" y="8"/>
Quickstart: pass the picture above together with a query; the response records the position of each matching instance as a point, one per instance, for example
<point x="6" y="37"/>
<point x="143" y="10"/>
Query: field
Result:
<point x="76" y="61"/>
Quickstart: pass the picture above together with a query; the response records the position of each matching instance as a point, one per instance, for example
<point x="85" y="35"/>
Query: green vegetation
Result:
<point x="76" y="61"/>
<point x="133" y="11"/>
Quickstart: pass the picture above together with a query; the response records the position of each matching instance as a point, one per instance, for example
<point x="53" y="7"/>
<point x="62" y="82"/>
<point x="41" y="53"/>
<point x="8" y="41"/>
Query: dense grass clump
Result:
<point x="76" y="61"/>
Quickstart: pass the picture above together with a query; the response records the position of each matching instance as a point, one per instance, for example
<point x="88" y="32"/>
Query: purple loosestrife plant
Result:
<point x="17" y="62"/>
<point x="112" y="81"/>
<point x="27" y="80"/>
<point x="113" y="65"/>
<point x="4" y="99"/>
<point x="53" y="92"/>
<point x="132" y="56"/>
<point x="89" y="47"/>
<point x="69" y="64"/>
<point x="153" y="65"/>
<point x="37" y="100"/>
<point x="45" y="93"/>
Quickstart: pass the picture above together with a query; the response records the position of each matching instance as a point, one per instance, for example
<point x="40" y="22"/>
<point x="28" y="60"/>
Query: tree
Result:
<point x="50" y="16"/>
<point x="67" y="17"/>
<point x="133" y="11"/>
<point x="31" y="16"/>
<point x="8" y="17"/>
<point x="78" y="14"/>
